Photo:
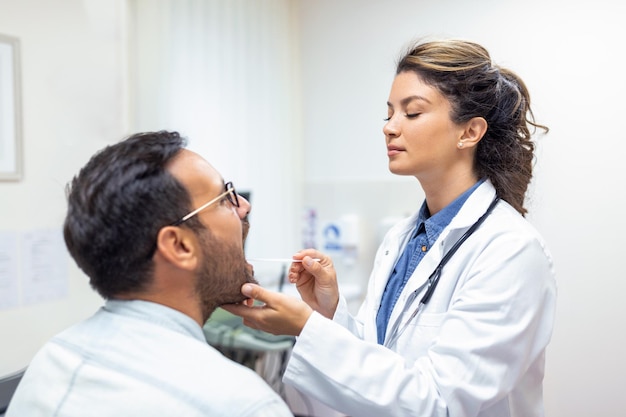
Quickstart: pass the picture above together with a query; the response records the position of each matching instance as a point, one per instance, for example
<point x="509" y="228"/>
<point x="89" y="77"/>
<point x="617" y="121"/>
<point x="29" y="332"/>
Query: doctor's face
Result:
<point x="420" y="135"/>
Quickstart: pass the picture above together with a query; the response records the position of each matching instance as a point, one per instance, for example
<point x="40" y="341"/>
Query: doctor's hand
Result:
<point x="279" y="314"/>
<point x="316" y="281"/>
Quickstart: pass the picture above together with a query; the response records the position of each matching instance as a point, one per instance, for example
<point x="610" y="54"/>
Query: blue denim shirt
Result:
<point x="427" y="230"/>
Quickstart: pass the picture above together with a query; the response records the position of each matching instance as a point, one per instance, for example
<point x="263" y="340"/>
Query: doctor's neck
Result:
<point x="440" y="194"/>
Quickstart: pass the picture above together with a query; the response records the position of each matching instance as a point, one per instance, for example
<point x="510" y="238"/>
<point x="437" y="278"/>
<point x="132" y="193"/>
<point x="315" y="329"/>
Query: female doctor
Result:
<point x="461" y="300"/>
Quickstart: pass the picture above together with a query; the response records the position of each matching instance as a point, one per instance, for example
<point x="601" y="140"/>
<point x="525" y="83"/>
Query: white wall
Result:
<point x="73" y="104"/>
<point x="571" y="55"/>
<point x="224" y="73"/>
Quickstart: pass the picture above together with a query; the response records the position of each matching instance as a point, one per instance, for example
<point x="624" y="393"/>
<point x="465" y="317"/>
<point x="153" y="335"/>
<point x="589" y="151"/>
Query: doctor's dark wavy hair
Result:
<point x="117" y="204"/>
<point x="463" y="72"/>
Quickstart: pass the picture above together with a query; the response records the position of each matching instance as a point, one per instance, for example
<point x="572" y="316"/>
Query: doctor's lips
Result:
<point x="393" y="150"/>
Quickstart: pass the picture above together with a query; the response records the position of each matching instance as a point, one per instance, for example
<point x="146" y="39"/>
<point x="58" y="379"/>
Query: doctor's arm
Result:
<point x="316" y="281"/>
<point x="497" y="326"/>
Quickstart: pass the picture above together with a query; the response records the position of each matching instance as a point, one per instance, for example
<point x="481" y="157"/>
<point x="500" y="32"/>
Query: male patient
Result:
<point x="160" y="236"/>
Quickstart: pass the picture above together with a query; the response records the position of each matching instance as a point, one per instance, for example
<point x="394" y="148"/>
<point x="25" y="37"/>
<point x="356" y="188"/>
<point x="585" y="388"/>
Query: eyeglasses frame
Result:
<point x="230" y="193"/>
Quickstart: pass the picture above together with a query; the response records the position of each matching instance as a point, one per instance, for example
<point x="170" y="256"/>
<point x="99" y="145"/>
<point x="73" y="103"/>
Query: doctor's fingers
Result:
<point x="254" y="316"/>
<point x="310" y="255"/>
<point x="287" y="317"/>
<point x="272" y="301"/>
<point x="256" y="292"/>
<point x="323" y="271"/>
<point x="300" y="276"/>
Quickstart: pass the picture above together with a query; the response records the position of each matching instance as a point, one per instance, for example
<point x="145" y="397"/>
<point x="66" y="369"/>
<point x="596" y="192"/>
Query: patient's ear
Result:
<point x="178" y="246"/>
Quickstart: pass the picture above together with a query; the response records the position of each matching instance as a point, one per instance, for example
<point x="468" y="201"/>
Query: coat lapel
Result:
<point x="473" y="208"/>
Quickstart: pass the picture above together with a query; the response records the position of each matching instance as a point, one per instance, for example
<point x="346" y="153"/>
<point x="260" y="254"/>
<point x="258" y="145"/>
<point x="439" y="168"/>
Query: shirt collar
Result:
<point x="157" y="314"/>
<point x="434" y="225"/>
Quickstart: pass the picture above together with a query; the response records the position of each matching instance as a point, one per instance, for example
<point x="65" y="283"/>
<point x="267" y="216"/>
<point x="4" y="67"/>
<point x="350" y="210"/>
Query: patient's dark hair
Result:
<point x="116" y="205"/>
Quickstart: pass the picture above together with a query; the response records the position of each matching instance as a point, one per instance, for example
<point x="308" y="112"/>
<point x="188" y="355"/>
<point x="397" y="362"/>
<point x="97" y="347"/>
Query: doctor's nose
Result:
<point x="391" y="128"/>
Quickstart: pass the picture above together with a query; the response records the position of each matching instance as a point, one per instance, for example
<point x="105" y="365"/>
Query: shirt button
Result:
<point x="424" y="248"/>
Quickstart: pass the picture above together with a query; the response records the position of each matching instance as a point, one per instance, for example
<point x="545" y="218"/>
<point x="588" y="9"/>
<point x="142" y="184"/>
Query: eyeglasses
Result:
<point x="230" y="193"/>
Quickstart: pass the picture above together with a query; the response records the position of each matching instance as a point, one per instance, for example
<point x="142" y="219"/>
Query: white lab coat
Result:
<point x="477" y="348"/>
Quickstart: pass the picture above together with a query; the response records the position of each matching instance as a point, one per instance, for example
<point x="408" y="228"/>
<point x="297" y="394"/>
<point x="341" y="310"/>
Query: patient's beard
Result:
<point x="223" y="271"/>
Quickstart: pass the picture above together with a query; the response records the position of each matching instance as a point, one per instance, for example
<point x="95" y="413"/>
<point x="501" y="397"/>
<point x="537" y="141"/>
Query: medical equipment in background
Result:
<point x="340" y="239"/>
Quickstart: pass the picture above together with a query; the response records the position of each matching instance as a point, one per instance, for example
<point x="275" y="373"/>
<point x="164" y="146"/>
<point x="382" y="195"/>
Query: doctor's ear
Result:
<point x="474" y="131"/>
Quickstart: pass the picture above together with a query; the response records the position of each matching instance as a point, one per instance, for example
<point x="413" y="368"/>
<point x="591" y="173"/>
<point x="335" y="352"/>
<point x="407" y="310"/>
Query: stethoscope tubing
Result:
<point x="433" y="279"/>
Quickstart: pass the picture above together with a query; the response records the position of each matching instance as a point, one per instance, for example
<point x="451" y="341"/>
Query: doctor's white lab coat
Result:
<point x="476" y="349"/>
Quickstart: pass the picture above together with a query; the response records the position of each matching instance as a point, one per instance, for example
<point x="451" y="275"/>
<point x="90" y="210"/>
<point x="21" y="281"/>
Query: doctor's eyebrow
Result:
<point x="405" y="101"/>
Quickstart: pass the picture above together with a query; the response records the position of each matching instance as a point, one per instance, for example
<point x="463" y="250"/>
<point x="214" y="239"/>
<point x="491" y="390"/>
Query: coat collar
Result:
<point x="398" y="236"/>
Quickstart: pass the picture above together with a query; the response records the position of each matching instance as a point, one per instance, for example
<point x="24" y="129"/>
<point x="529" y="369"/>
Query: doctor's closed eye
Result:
<point x="407" y="115"/>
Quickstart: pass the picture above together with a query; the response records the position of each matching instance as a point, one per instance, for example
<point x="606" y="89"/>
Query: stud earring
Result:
<point x="460" y="144"/>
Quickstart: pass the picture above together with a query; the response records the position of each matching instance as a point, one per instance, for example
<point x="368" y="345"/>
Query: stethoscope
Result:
<point x="433" y="279"/>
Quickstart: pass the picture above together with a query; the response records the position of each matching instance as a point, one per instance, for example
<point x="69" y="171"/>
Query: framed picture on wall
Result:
<point x="10" y="110"/>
